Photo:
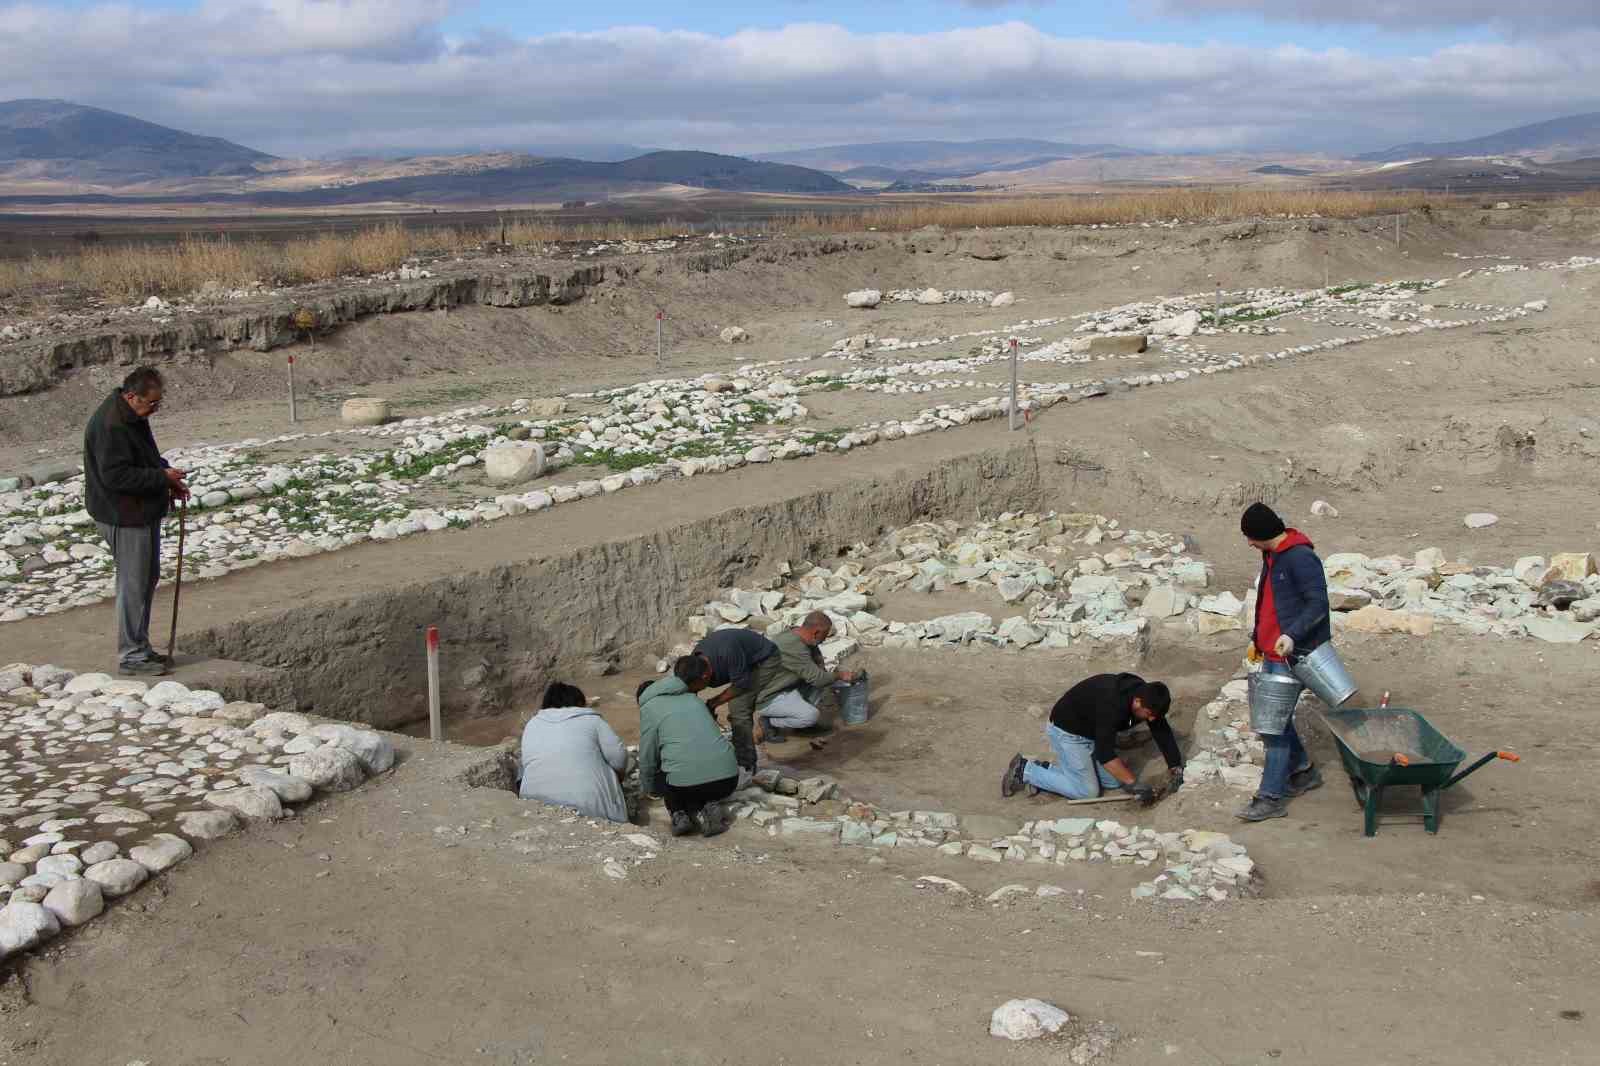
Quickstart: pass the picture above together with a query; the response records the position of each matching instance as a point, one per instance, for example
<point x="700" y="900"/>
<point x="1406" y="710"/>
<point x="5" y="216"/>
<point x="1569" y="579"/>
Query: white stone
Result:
<point x="512" y="462"/>
<point x="930" y="296"/>
<point x="734" y="335"/>
<point x="1004" y="299"/>
<point x="163" y="693"/>
<point x="289" y="789"/>
<point x="208" y="825"/>
<point x="24" y="926"/>
<point x="75" y="902"/>
<point x="118" y="877"/>
<point x="87" y="683"/>
<point x="160" y="852"/>
<point x="1324" y="509"/>
<point x="1558" y="629"/>
<point x="1027" y="1019"/>
<point x="371" y="747"/>
<point x="863" y="298"/>
<point x="330" y="768"/>
<point x="1480" y="520"/>
<point x="98" y="853"/>
<point x="60" y="865"/>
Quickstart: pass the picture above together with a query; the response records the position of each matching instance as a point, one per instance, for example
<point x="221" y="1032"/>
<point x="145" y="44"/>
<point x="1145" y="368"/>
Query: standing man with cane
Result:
<point x="128" y="488"/>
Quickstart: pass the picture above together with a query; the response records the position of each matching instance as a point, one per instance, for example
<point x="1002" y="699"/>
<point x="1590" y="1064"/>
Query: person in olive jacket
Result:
<point x="128" y="488"/>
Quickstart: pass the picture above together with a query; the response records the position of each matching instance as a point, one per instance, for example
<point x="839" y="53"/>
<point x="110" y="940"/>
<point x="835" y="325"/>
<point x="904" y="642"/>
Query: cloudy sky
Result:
<point x="314" y="77"/>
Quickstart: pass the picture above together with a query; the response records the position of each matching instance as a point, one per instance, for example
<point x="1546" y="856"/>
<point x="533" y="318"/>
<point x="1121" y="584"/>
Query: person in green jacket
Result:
<point x="789" y="684"/>
<point x="683" y="756"/>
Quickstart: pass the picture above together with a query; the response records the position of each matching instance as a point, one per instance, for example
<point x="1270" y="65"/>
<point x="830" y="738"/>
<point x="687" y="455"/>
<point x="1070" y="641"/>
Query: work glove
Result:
<point x="1284" y="646"/>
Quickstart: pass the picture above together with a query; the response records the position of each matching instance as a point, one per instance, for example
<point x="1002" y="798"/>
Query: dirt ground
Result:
<point x="457" y="925"/>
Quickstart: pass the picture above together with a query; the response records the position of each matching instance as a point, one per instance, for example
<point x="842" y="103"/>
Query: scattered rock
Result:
<point x="863" y="298"/>
<point x="735" y="335"/>
<point x="1027" y="1019"/>
<point x="1324" y="509"/>
<point x="209" y="825"/>
<point x="1480" y="520"/>
<point x="24" y="926"/>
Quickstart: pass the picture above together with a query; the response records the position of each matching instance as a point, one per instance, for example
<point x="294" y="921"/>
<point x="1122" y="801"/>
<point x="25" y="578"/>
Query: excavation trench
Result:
<point x="574" y="610"/>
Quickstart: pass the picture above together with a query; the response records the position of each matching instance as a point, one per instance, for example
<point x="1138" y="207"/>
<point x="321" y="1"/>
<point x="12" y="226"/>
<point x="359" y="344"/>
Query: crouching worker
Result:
<point x="683" y="756"/>
<point x="572" y="758"/>
<point x="1083" y="734"/>
<point x="792" y="683"/>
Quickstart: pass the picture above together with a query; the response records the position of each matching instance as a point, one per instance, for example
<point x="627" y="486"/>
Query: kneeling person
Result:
<point x="793" y="682"/>
<point x="1083" y="734"/>
<point x="683" y="756"/>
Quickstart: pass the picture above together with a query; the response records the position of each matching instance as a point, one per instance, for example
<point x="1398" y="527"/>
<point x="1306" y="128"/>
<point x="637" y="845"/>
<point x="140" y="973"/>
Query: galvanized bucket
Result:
<point x="1272" y="701"/>
<point x="853" y="706"/>
<point x="1323" y="673"/>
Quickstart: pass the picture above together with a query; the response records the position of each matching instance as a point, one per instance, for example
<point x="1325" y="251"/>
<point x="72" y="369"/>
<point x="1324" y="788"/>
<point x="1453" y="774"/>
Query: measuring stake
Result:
<point x="1397" y="219"/>
<point x="435" y="724"/>
<point x="292" y="416"/>
<point x="1015" y="420"/>
<point x="1325" y="257"/>
<point x="1216" y="313"/>
<point x="660" y="358"/>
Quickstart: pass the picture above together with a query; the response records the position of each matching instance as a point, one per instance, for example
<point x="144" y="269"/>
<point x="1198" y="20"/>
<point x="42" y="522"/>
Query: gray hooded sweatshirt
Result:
<point x="571" y="758"/>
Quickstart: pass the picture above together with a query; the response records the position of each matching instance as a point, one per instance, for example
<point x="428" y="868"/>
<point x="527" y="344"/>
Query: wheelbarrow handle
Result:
<point x="1491" y="757"/>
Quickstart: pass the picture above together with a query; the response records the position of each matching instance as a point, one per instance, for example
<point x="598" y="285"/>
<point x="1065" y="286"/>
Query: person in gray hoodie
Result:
<point x="572" y="758"/>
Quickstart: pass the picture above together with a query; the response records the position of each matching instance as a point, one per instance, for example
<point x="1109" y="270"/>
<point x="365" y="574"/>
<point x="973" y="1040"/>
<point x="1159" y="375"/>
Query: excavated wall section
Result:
<point x="36" y="365"/>
<point x="513" y="627"/>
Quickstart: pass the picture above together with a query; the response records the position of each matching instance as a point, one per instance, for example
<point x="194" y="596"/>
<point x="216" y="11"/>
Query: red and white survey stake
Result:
<point x="435" y="724"/>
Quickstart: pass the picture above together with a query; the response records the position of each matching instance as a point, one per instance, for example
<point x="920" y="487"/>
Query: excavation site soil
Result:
<point x="432" y="916"/>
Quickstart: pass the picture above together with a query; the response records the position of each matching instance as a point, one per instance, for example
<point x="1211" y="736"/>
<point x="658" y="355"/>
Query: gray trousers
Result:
<point x="137" y="551"/>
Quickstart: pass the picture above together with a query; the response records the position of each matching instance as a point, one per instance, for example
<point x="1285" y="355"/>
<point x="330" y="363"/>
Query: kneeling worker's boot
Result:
<point x="713" y="820"/>
<point x="682" y="824"/>
<point x="1011" y="783"/>
<point x="1261" y="808"/>
<point x="1303" y="781"/>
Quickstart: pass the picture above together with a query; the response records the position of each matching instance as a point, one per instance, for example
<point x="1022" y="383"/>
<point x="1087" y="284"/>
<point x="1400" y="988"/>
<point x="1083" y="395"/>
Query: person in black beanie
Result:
<point x="1292" y="618"/>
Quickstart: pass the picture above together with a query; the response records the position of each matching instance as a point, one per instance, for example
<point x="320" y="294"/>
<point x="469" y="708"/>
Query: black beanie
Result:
<point x="1260" y="522"/>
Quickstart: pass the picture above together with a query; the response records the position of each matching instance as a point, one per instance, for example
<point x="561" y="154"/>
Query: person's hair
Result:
<point x="689" y="668"/>
<point x="1155" y="696"/>
<point x="141" y="381"/>
<point x="561" y="694"/>
<point x="817" y="620"/>
<point x="638" y="693"/>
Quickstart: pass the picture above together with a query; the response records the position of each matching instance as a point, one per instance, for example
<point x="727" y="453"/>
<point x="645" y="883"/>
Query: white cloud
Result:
<point x="310" y="76"/>
<point x="1398" y="14"/>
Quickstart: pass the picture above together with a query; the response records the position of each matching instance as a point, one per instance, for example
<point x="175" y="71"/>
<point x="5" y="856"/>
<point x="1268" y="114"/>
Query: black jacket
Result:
<point x="124" y="476"/>
<point x="1101" y="706"/>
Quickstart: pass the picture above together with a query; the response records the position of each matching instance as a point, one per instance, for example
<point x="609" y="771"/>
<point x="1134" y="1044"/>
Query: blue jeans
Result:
<point x="1075" y="775"/>
<point x="1285" y="753"/>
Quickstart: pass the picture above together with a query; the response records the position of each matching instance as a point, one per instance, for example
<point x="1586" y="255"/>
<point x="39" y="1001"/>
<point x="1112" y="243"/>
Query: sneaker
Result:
<point x="682" y="824"/>
<point x="1011" y="783"/>
<point x="144" y="668"/>
<point x="1261" y="808"/>
<point x="713" y="820"/>
<point x="745" y="777"/>
<point x="1303" y="781"/>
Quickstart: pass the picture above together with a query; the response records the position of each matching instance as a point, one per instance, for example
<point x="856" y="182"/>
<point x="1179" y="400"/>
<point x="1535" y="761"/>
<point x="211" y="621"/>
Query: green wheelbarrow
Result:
<point x="1391" y="746"/>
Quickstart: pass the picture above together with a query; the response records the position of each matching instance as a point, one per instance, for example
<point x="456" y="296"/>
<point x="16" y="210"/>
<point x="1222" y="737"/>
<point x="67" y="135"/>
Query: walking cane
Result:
<point x="177" y="585"/>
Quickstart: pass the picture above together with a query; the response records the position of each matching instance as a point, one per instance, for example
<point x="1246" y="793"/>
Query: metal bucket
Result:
<point x="1323" y="673"/>
<point x="853" y="706"/>
<point x="1272" y="701"/>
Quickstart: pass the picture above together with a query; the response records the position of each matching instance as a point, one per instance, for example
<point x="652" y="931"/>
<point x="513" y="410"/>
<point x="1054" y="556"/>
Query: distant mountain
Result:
<point x="923" y="160"/>
<point x="1280" y="170"/>
<point x="1573" y="137"/>
<point x="61" y="141"/>
<point x="599" y="152"/>
<point x="469" y="182"/>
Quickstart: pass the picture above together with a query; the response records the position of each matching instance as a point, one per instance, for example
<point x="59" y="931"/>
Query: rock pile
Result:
<point x="1074" y="577"/>
<point x="101" y="781"/>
